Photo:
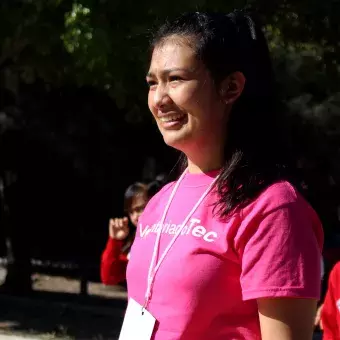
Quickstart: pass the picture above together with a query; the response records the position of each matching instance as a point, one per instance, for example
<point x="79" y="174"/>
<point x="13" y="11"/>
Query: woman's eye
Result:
<point x="151" y="83"/>
<point x="175" y="78"/>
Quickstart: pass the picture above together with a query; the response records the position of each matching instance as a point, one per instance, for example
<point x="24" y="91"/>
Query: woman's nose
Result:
<point x="161" y="96"/>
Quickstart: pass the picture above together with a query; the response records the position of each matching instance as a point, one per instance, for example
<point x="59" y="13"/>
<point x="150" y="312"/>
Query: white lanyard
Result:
<point x="153" y="265"/>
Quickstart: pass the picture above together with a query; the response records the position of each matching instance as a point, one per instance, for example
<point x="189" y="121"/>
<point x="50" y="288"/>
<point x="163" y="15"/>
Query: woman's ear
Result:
<point x="232" y="87"/>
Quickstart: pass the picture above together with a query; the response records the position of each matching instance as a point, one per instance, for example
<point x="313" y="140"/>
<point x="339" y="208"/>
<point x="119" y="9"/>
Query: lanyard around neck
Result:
<point x="153" y="265"/>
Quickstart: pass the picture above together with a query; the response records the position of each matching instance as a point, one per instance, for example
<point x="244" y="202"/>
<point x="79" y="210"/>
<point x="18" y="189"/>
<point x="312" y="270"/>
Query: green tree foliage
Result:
<point x="105" y="43"/>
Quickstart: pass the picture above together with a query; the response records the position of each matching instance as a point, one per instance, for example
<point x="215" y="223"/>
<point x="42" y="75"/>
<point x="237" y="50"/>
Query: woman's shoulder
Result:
<point x="280" y="194"/>
<point x="281" y="210"/>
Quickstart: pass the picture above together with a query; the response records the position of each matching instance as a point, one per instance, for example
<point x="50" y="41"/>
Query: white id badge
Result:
<point x="138" y="323"/>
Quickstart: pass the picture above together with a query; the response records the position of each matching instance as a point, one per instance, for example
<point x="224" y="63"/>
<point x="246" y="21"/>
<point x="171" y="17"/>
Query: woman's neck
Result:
<point x="196" y="169"/>
<point x="204" y="161"/>
<point x="205" y="155"/>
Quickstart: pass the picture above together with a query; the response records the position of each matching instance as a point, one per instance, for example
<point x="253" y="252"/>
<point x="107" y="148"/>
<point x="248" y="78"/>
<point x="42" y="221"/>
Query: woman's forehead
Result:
<point x="171" y="55"/>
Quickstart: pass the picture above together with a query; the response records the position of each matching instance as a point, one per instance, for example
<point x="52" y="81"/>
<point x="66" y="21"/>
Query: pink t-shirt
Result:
<point x="207" y="285"/>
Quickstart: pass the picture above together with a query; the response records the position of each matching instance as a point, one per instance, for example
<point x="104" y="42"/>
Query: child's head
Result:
<point x="135" y="199"/>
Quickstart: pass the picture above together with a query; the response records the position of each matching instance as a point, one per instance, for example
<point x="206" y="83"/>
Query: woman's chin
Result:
<point x="176" y="139"/>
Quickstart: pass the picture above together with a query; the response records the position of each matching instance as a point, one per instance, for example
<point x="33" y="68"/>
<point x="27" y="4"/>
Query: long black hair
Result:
<point x="256" y="153"/>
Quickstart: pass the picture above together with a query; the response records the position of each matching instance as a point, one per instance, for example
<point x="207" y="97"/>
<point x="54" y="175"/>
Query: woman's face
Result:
<point x="137" y="207"/>
<point x="183" y="98"/>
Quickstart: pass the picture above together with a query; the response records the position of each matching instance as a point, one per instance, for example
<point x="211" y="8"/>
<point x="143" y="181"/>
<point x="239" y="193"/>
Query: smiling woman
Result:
<point x="184" y="101"/>
<point x="231" y="250"/>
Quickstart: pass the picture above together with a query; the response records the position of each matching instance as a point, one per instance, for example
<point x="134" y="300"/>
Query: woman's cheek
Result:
<point x="186" y="96"/>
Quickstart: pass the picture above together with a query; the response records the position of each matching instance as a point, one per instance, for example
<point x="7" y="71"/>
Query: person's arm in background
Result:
<point x="329" y="310"/>
<point x="113" y="262"/>
<point x="317" y="321"/>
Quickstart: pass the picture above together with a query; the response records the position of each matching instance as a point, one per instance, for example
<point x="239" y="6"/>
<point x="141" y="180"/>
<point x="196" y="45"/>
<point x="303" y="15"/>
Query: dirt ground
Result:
<point x="47" y="283"/>
<point x="56" y="310"/>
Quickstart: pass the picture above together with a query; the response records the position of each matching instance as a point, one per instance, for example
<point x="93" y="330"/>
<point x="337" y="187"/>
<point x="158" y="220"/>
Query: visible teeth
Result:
<point x="171" y="118"/>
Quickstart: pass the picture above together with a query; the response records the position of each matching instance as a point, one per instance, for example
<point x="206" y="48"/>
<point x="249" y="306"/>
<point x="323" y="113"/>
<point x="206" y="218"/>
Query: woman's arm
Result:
<point x="287" y="318"/>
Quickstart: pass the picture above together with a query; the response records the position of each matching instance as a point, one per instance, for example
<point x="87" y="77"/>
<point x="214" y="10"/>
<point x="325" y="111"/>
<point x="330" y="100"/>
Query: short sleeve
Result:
<point x="280" y="248"/>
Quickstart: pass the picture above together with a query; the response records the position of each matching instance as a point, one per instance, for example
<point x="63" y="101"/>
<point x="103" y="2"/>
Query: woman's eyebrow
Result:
<point x="167" y="71"/>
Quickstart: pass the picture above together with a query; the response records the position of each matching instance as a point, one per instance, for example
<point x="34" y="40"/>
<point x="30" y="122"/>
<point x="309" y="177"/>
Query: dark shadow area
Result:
<point x="62" y="315"/>
<point x="65" y="165"/>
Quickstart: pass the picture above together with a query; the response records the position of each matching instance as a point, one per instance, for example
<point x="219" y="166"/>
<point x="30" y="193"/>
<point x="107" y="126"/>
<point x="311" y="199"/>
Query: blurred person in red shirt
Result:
<point x="122" y="232"/>
<point x="330" y="311"/>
